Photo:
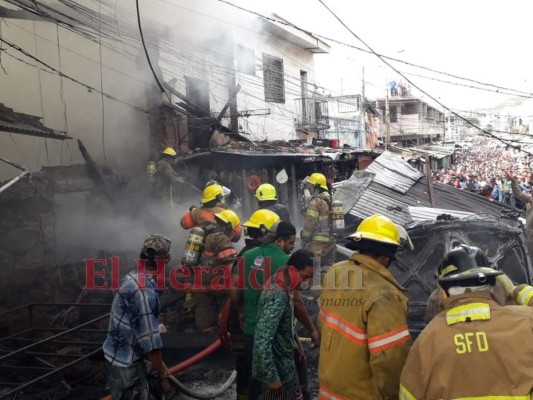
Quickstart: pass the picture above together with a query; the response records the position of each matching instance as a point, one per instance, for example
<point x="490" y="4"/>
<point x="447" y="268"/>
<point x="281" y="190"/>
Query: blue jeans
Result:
<point x="128" y="383"/>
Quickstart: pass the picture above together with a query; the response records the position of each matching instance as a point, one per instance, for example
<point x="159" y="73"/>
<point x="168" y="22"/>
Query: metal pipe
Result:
<point x="17" y="389"/>
<point x="14" y="180"/>
<point x="51" y="338"/>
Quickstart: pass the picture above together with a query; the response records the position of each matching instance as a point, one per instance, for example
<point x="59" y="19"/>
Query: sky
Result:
<point x="483" y="40"/>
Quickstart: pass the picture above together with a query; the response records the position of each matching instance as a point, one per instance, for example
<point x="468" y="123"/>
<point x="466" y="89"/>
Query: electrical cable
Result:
<point x="101" y="82"/>
<point x="146" y="52"/>
<point x="529" y="95"/>
<point x="59" y="73"/>
<point x="417" y="87"/>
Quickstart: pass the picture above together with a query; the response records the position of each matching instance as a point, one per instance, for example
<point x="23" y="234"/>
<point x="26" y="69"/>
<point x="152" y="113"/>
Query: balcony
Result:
<point x="311" y="114"/>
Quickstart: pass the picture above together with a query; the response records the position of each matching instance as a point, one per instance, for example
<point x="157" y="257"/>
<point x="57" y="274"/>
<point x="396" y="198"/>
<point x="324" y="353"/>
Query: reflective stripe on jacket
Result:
<point x="364" y="334"/>
<point x="474" y="349"/>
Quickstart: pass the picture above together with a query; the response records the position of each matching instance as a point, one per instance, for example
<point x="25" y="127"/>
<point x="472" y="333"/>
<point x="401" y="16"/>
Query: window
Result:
<point x="274" y="79"/>
<point x="198" y="95"/>
<point x="303" y="82"/>
<point x="393" y="114"/>
<point x="245" y="60"/>
<point x="411" y="108"/>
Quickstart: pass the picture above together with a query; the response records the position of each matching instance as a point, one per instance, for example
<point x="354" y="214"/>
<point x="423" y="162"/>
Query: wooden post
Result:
<point x="432" y="198"/>
<point x="246" y="195"/>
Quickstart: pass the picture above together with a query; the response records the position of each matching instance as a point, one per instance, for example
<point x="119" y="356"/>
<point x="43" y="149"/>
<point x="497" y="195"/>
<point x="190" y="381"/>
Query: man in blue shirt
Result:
<point x="133" y="334"/>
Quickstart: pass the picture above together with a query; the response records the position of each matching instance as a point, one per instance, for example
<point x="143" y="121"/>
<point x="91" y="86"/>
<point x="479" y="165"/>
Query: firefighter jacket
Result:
<point x="474" y="349"/>
<point x="364" y="334"/>
<point x="165" y="179"/>
<point x="317" y="219"/>
<point x="201" y="216"/>
<point x="217" y="257"/>
<point x="280" y="209"/>
<point x="521" y="295"/>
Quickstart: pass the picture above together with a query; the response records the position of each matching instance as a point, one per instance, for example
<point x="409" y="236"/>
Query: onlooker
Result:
<point x="133" y="335"/>
<point x="275" y="342"/>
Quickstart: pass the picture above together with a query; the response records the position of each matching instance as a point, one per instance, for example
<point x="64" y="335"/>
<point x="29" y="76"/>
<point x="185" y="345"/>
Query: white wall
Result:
<point x="30" y="90"/>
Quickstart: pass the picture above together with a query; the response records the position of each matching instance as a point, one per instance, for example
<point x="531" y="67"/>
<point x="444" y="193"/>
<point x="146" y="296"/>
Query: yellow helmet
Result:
<point x="170" y="151"/>
<point x="212" y="192"/>
<point x="262" y="217"/>
<point x="229" y="217"/>
<point x="266" y="191"/>
<point x="318" y="179"/>
<point x="377" y="228"/>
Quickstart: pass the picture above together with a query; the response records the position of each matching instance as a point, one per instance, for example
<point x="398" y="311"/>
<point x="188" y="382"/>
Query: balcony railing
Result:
<point x="311" y="114"/>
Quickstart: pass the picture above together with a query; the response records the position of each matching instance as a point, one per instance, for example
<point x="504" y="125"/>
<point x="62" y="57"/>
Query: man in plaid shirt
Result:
<point x="133" y="334"/>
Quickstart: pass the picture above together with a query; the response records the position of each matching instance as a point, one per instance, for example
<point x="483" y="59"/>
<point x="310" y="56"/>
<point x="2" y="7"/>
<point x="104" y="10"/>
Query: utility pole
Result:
<point x="362" y="113"/>
<point x="387" y="119"/>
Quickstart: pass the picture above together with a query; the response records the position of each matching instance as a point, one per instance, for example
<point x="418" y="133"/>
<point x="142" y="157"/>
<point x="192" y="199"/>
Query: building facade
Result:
<point x="409" y="121"/>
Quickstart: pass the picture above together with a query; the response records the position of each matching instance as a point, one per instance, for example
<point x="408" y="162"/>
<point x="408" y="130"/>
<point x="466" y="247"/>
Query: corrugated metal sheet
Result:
<point x="393" y="172"/>
<point x="349" y="191"/>
<point x="381" y="198"/>
<point x="428" y="213"/>
<point x="450" y="198"/>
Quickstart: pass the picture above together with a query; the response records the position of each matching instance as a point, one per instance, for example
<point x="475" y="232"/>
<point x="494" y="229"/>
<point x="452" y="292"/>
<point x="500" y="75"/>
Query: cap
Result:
<point x="159" y="244"/>
<point x="279" y="229"/>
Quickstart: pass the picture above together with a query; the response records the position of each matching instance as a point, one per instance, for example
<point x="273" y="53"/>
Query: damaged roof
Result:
<point x="394" y="188"/>
<point x="283" y="148"/>
<point x="25" y="124"/>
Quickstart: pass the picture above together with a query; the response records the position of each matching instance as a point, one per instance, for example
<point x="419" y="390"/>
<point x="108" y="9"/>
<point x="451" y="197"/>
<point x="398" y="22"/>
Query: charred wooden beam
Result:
<point x="96" y="175"/>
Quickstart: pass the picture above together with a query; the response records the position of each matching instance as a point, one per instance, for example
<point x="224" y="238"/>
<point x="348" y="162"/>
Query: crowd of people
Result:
<point x="489" y="168"/>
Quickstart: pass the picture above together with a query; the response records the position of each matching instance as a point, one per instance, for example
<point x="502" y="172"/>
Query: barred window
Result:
<point x="274" y="79"/>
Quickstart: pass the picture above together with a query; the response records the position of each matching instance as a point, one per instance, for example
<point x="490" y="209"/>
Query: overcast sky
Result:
<point x="485" y="40"/>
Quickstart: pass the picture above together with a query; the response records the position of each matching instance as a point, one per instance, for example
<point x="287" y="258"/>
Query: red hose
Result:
<point x="188" y="362"/>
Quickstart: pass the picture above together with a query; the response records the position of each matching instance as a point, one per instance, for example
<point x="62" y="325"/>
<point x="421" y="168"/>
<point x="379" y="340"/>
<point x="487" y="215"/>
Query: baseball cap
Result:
<point x="158" y="245"/>
<point x="278" y="229"/>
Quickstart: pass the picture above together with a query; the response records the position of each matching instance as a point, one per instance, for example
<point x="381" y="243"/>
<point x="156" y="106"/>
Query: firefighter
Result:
<point x="363" y="318"/>
<point x="476" y="348"/>
<point x="165" y="177"/>
<point x="317" y="233"/>
<point x="213" y="202"/>
<point x="267" y="198"/>
<point x="215" y="263"/>
<point x="504" y="292"/>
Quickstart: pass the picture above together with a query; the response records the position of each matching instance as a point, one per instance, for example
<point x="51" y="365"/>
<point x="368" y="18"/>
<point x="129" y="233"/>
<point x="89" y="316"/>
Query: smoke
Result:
<point x="86" y="227"/>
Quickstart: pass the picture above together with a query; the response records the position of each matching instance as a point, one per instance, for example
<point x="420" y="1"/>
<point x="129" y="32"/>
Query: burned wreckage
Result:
<point x="437" y="217"/>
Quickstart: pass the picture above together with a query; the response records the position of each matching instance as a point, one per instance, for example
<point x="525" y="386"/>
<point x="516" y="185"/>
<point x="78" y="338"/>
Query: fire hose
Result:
<point x="191" y="361"/>
<point x="204" y="395"/>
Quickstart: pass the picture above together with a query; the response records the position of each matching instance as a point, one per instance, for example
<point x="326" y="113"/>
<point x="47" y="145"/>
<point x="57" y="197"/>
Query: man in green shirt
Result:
<point x="262" y="262"/>
<point x="275" y="343"/>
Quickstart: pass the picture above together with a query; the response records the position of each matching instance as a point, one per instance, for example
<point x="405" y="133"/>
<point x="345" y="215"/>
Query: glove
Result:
<point x="506" y="284"/>
<point x="523" y="295"/>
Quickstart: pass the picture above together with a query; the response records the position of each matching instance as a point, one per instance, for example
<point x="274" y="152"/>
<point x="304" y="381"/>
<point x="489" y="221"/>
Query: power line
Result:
<point x="518" y="92"/>
<point x="416" y="86"/>
<point x="61" y="74"/>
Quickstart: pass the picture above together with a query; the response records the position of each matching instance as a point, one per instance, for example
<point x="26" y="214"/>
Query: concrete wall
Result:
<point x="68" y="106"/>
